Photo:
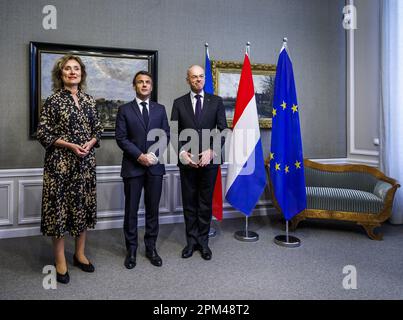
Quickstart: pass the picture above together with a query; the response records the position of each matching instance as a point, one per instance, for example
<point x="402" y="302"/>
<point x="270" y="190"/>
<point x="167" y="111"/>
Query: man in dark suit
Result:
<point x="141" y="168"/>
<point x="200" y="112"/>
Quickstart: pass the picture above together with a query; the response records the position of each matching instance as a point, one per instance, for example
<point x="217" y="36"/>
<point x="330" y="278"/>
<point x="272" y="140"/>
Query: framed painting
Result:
<point x="226" y="75"/>
<point x="110" y="73"/>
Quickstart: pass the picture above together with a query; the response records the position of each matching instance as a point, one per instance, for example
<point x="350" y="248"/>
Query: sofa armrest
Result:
<point x="381" y="189"/>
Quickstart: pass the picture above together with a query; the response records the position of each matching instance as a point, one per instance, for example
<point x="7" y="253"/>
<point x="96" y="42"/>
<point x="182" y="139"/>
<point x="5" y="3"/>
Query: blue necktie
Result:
<point x="198" y="107"/>
<point x="145" y="112"/>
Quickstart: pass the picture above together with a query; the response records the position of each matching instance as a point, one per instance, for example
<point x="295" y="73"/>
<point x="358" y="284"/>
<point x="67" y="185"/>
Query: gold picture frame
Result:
<point x="226" y="76"/>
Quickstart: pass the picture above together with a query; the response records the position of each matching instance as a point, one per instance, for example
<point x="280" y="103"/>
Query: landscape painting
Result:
<point x="109" y="79"/>
<point x="226" y="76"/>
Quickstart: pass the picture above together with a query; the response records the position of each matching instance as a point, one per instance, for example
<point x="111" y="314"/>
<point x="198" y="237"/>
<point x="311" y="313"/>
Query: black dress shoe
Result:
<point x="187" y="252"/>
<point x="154" y="258"/>
<point x="206" y="253"/>
<point x="62" y="278"/>
<point x="130" y="260"/>
<point x="85" y="267"/>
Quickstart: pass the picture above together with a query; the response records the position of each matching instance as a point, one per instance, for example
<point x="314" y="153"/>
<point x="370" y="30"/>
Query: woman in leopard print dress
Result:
<point x="69" y="129"/>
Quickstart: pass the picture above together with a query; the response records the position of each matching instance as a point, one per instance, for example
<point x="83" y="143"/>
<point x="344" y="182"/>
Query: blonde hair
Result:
<point x="57" y="82"/>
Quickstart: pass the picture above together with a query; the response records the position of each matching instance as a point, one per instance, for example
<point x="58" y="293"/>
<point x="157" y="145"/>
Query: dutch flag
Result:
<point x="246" y="178"/>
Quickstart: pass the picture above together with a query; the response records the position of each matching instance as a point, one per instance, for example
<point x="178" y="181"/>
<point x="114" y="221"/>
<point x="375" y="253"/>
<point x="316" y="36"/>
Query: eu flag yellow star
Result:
<point x="287" y="169"/>
<point x="271" y="155"/>
<point x="274" y="112"/>
<point x="294" y="108"/>
<point x="298" y="164"/>
<point x="277" y="166"/>
<point x="284" y="105"/>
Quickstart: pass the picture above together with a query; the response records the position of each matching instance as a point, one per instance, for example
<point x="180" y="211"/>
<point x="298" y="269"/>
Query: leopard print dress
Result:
<point x="69" y="182"/>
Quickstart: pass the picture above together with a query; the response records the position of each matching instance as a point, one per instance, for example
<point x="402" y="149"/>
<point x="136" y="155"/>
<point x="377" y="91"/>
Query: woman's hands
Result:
<point x="84" y="150"/>
<point x="79" y="151"/>
<point x="90" y="144"/>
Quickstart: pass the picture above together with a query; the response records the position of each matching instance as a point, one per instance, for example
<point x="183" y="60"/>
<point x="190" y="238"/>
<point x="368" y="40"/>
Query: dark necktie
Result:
<point x="145" y="112"/>
<point x="198" y="107"/>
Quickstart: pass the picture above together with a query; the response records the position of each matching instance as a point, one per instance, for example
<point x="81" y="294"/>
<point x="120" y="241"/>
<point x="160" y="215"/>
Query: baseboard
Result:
<point x="20" y="232"/>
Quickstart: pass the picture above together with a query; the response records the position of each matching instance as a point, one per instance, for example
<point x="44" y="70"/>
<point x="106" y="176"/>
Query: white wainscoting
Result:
<point x="29" y="201"/>
<point x="20" y="207"/>
<point x="6" y="202"/>
<point x="363" y="82"/>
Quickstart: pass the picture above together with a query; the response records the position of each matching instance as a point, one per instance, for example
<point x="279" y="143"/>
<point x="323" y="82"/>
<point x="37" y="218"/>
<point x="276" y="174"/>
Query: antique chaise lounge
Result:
<point x="351" y="192"/>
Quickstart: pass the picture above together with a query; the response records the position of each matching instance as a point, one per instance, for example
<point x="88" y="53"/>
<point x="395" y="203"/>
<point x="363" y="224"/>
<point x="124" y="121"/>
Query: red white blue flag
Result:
<point x="217" y="195"/>
<point x="246" y="177"/>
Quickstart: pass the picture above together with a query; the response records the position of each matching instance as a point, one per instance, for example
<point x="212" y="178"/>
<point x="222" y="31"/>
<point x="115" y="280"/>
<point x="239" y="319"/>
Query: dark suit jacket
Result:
<point x="212" y="117"/>
<point x="131" y="136"/>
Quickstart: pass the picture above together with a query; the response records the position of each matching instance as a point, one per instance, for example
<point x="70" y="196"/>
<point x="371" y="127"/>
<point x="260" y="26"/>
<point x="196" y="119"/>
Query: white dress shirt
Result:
<point x="194" y="100"/>
<point x="139" y="101"/>
<point x="141" y="107"/>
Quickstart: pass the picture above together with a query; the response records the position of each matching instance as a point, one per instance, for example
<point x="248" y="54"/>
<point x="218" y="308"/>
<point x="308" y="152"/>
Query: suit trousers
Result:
<point x="197" y="196"/>
<point x="152" y="193"/>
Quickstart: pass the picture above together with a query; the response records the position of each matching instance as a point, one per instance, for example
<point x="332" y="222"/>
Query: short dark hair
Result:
<point x="142" y="72"/>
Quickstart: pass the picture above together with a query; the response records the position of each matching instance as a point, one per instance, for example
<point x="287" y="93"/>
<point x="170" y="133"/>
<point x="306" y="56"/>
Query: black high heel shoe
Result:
<point x="62" y="278"/>
<point x="85" y="267"/>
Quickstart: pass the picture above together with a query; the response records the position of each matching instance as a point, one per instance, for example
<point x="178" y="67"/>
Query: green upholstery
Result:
<point x="381" y="188"/>
<point x="344" y="191"/>
<point x="338" y="199"/>
<point x="346" y="180"/>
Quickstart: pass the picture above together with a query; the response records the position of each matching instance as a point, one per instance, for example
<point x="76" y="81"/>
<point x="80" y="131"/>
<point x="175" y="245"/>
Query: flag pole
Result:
<point x="285" y="40"/>
<point x="248" y="48"/>
<point x="246" y="235"/>
<point x="286" y="240"/>
<point x="212" y="233"/>
<point x="205" y="48"/>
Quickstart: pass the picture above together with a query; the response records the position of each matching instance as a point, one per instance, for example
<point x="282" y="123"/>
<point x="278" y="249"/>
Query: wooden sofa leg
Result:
<point x="369" y="228"/>
<point x="294" y="222"/>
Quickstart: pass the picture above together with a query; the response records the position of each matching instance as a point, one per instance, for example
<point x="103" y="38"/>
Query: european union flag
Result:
<point x="208" y="84"/>
<point x="286" y="157"/>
